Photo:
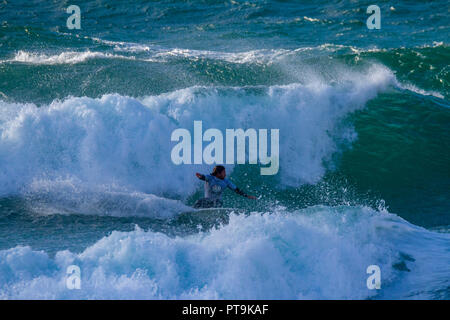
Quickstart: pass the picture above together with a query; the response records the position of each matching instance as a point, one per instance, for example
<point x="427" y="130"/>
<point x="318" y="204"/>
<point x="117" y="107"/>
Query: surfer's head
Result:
<point x="219" y="172"/>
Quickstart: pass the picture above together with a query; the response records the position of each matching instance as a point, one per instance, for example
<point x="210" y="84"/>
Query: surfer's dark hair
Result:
<point x="217" y="170"/>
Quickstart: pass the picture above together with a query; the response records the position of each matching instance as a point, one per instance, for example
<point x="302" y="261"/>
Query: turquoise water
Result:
<point x="85" y="171"/>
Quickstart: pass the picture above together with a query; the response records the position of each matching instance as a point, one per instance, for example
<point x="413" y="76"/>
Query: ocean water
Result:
<point x="86" y="177"/>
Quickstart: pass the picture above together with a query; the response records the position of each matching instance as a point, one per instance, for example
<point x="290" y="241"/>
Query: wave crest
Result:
<point x="67" y="57"/>
<point x="121" y="141"/>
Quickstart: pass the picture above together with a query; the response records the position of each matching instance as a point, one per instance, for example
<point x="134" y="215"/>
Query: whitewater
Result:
<point x="108" y="156"/>
<point x="87" y="179"/>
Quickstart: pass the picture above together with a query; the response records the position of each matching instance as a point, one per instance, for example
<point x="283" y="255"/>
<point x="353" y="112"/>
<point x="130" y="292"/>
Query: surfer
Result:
<point x="215" y="183"/>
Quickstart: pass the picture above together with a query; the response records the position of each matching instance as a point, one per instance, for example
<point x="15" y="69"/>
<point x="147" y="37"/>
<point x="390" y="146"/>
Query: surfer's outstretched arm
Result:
<point x="242" y="193"/>
<point x="200" y="176"/>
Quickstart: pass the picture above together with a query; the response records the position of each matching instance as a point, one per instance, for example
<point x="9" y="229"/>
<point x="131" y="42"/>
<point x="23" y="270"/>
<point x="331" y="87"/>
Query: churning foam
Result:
<point x="315" y="253"/>
<point x="117" y="143"/>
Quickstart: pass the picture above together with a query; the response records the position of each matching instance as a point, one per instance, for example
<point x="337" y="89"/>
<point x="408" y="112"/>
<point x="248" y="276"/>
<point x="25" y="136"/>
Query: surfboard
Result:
<point x="216" y="209"/>
<point x="212" y="211"/>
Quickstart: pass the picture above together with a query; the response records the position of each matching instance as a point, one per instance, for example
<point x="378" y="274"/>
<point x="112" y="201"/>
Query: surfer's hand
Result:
<point x="200" y="176"/>
<point x="251" y="197"/>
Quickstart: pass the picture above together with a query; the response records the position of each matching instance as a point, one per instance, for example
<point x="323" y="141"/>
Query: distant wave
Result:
<point x="71" y="196"/>
<point x="416" y="90"/>
<point x="68" y="57"/>
<point x="249" y="56"/>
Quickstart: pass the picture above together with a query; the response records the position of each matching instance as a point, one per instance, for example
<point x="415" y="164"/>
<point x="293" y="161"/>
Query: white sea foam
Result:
<point x="121" y="144"/>
<point x="126" y="46"/>
<point x="415" y="89"/>
<point x="263" y="56"/>
<point x="316" y="253"/>
<point x="67" y="57"/>
<point x="67" y="196"/>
